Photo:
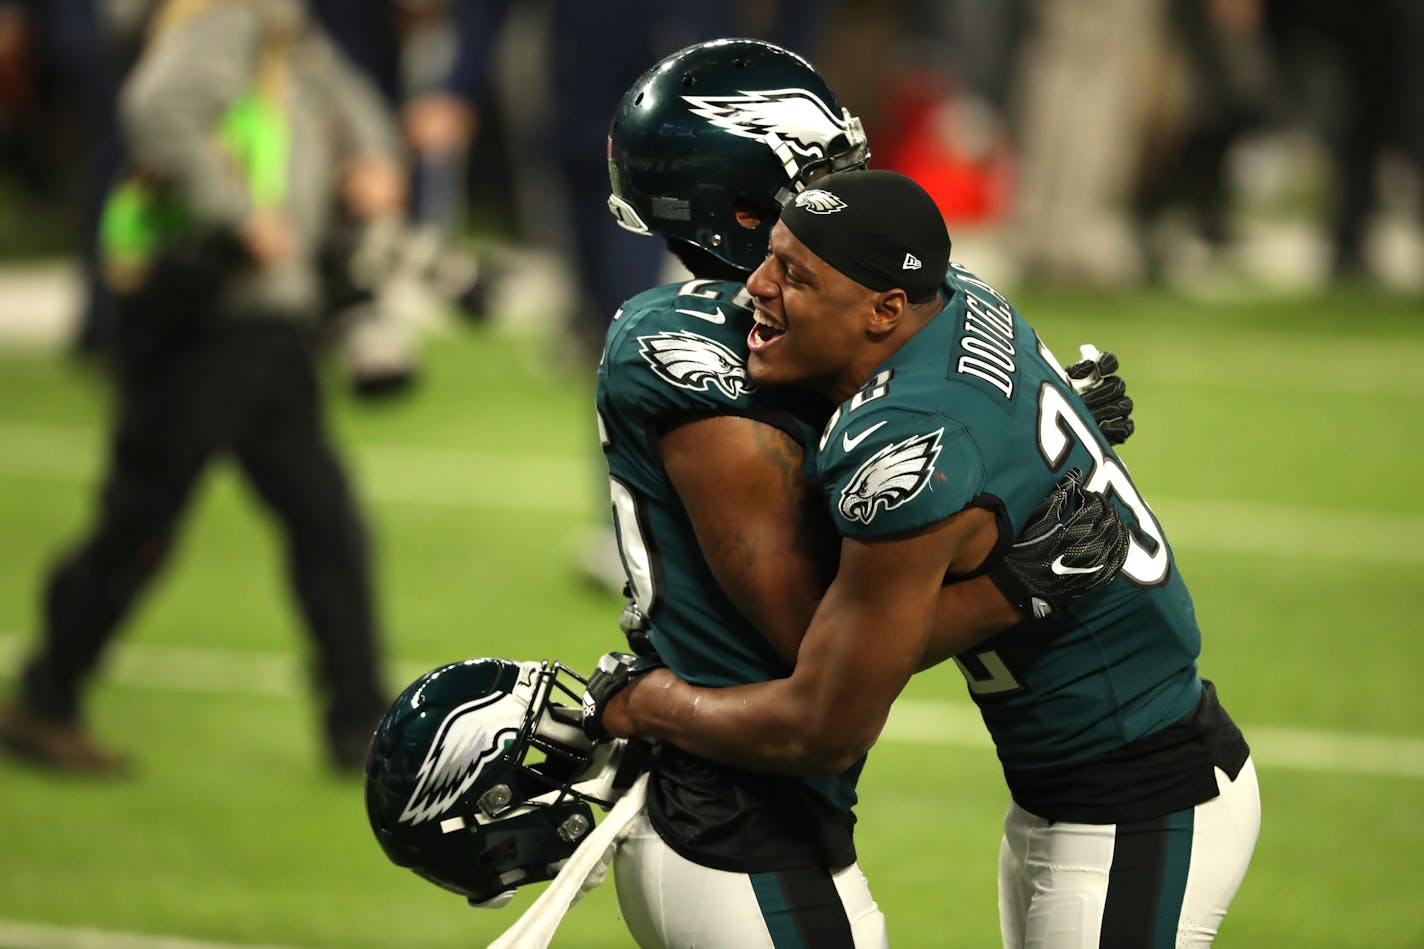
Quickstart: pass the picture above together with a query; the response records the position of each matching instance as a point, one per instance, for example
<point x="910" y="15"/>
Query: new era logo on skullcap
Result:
<point x="819" y="202"/>
<point x="911" y="263"/>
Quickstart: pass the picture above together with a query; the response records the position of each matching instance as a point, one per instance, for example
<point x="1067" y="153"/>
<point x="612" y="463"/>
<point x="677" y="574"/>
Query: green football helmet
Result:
<point x="729" y="123"/>
<point x="480" y="782"/>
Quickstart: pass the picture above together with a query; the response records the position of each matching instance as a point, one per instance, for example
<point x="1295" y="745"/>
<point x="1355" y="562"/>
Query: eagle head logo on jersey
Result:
<point x="690" y="361"/>
<point x="820" y="202"/>
<point x="796" y="118"/>
<point x="472" y="736"/>
<point x="892" y="476"/>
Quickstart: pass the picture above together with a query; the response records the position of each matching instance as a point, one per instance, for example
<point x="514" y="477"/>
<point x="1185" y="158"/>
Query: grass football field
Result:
<point x="1280" y="441"/>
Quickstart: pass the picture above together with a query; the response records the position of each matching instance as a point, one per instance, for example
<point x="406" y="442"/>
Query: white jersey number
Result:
<point x="1058" y="426"/>
<point x="1147" y="552"/>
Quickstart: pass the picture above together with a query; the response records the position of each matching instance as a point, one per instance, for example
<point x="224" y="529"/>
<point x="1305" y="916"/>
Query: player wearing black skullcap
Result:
<point x="860" y="243"/>
<point x="1134" y="798"/>
<point x="879" y="228"/>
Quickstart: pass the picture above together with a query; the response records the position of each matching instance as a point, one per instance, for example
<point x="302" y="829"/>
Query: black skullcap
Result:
<point x="879" y="228"/>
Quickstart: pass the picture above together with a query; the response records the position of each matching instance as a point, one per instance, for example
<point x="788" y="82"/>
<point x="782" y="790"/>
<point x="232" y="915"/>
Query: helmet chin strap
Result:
<point x="627" y="216"/>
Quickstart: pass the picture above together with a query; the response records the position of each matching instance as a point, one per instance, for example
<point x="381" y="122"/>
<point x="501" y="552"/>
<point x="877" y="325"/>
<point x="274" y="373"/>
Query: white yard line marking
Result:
<point x="1295" y="749"/>
<point x="20" y="935"/>
<point x="561" y="484"/>
<point x="206" y="670"/>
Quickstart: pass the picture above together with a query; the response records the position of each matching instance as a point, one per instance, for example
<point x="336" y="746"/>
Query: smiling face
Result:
<point x="814" y="325"/>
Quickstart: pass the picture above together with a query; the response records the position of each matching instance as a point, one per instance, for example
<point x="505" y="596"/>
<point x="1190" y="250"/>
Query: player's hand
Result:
<point x="1095" y="379"/>
<point x="615" y="672"/>
<point x="1073" y="543"/>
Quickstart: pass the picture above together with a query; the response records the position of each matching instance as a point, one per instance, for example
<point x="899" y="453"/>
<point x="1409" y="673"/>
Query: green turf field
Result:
<point x="1280" y="442"/>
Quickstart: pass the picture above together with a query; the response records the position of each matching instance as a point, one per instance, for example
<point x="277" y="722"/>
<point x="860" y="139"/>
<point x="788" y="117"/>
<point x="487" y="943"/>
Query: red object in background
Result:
<point x="17" y="65"/>
<point x="952" y="144"/>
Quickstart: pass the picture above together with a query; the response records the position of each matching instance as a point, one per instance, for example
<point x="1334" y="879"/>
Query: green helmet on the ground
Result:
<point x="470" y="777"/>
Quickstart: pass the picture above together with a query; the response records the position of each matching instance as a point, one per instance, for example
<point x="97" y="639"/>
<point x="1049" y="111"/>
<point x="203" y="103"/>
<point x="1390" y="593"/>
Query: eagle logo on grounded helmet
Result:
<point x="479" y="778"/>
<point x="470" y="737"/>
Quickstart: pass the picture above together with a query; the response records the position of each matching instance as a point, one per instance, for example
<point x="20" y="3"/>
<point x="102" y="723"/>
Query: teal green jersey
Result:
<point x="675" y="354"/>
<point x="974" y="411"/>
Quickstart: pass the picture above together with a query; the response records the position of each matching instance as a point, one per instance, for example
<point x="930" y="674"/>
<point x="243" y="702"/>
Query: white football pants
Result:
<point x="669" y="902"/>
<point x="1158" y="884"/>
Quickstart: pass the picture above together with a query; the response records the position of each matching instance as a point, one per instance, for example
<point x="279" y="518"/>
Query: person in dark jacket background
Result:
<point x="250" y="138"/>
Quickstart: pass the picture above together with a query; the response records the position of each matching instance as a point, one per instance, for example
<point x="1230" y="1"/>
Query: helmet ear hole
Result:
<point x="749" y="216"/>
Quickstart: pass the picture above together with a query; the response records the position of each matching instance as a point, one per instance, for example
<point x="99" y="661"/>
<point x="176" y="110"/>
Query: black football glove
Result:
<point x="1073" y="543"/>
<point x="1095" y="379"/>
<point x="615" y="671"/>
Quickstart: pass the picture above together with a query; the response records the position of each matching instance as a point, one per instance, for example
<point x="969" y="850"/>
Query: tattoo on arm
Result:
<point x="772" y="551"/>
<point x="742" y="543"/>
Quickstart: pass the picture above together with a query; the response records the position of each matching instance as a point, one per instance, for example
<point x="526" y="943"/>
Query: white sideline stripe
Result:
<point x="1248" y="527"/>
<point x="216" y="671"/>
<point x="1295" y="749"/>
<point x="20" y="935"/>
<point x="388" y="474"/>
<point x="561" y="484"/>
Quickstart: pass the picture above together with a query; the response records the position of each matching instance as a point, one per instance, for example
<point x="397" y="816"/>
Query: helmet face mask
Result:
<point x="721" y="127"/>
<point x="480" y="781"/>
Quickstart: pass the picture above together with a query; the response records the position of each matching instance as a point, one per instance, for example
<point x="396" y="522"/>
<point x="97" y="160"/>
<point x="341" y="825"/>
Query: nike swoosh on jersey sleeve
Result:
<point x="850" y="443"/>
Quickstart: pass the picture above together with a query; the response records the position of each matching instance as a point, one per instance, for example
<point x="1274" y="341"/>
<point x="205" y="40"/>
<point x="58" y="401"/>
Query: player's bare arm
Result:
<point x="864" y="643"/>
<point x="774" y="553"/>
<point x="742" y="486"/>
<point x="883" y="618"/>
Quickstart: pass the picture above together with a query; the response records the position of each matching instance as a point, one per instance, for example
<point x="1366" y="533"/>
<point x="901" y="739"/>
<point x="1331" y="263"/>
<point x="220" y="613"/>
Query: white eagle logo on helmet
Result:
<point x="892" y="476"/>
<point x="690" y="361"/>
<point x="472" y="736"/>
<point x="797" y="117"/>
<point x="820" y="202"/>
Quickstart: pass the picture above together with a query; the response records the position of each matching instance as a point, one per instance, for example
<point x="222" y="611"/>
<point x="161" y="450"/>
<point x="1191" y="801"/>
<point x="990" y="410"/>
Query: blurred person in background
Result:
<point x="1356" y="72"/>
<point x="247" y="131"/>
<point x="405" y="47"/>
<point x="1078" y="105"/>
<point x="942" y="107"/>
<point x="58" y="61"/>
<point x="1216" y="83"/>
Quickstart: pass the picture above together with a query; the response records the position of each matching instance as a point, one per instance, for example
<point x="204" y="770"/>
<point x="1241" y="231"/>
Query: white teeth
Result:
<point x="763" y="321"/>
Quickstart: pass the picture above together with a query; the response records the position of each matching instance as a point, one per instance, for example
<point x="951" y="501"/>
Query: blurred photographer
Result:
<point x="249" y="138"/>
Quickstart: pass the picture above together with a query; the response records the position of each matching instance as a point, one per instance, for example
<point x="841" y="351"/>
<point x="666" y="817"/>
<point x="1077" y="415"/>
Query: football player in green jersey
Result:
<point x="726" y="550"/>
<point x="1134" y="807"/>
